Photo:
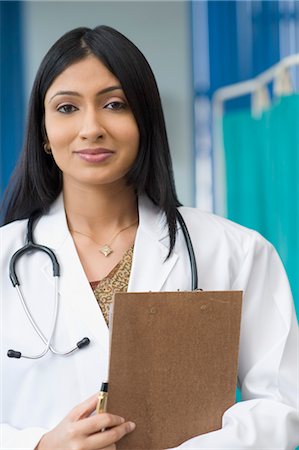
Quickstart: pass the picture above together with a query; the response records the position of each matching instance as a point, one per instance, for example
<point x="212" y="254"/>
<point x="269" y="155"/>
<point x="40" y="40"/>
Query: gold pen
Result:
<point x="102" y="399"/>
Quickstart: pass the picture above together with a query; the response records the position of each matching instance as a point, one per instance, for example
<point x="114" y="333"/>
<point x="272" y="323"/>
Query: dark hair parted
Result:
<point x="37" y="181"/>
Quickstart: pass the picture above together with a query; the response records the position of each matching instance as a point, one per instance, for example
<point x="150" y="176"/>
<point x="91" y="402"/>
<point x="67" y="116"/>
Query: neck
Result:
<point x="91" y="209"/>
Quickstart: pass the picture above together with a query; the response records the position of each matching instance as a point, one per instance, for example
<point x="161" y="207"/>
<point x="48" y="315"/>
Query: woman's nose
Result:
<point x="91" y="128"/>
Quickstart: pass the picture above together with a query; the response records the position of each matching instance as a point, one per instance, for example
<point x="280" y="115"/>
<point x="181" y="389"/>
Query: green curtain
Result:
<point x="262" y="172"/>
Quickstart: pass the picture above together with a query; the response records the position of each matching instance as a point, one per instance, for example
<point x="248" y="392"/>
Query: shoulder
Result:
<point x="232" y="251"/>
<point x="216" y="229"/>
<point x="12" y="237"/>
<point x="12" y="230"/>
<point x="197" y="218"/>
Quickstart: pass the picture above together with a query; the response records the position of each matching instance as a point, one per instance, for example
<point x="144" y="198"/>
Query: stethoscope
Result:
<point x="31" y="246"/>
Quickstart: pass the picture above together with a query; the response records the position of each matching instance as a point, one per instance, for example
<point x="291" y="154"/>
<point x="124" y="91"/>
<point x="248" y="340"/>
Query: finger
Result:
<point x="110" y="436"/>
<point x="95" y="423"/>
<point x="84" y="409"/>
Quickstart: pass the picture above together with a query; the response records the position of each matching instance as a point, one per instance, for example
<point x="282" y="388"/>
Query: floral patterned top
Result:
<point x="116" y="281"/>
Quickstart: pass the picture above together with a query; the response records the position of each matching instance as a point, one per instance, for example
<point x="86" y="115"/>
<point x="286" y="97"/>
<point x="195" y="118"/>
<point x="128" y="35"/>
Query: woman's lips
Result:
<point x="94" y="155"/>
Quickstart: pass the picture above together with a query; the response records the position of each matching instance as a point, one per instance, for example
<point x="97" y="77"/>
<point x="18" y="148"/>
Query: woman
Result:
<point x="96" y="169"/>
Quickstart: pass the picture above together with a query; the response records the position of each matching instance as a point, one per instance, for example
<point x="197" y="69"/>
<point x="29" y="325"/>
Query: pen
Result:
<point x="102" y="399"/>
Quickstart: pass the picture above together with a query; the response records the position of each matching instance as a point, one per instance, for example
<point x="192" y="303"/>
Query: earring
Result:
<point x="47" y="148"/>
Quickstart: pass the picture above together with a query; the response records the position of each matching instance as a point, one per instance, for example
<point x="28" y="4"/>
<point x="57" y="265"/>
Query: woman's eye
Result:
<point x="66" y="109"/>
<point x="116" y="106"/>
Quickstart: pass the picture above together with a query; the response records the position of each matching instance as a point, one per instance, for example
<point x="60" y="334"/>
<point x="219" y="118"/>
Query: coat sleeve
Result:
<point x="15" y="439"/>
<point x="268" y="415"/>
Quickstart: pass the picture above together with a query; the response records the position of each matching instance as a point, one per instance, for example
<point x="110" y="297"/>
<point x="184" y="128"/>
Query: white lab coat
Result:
<point x="37" y="394"/>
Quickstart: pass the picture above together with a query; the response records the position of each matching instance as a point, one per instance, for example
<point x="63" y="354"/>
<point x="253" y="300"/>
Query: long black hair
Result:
<point x="37" y="181"/>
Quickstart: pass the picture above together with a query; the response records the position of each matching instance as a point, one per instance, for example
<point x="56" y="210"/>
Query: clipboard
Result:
<point x="173" y="364"/>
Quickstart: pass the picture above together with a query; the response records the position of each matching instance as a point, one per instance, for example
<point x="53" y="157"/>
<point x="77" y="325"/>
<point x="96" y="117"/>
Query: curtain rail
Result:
<point x="249" y="86"/>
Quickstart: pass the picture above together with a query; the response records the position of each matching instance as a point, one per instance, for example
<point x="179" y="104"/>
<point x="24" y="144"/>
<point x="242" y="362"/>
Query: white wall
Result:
<point x="160" y="30"/>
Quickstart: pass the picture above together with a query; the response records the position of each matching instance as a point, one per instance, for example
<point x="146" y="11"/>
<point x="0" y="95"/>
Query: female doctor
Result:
<point x="96" y="173"/>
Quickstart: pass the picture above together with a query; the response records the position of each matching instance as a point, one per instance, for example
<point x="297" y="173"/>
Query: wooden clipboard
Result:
<point x="173" y="364"/>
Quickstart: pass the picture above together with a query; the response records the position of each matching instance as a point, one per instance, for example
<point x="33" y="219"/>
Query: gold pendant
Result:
<point x="106" y="250"/>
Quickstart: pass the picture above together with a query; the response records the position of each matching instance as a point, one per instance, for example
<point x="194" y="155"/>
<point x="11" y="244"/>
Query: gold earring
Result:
<point x="47" y="148"/>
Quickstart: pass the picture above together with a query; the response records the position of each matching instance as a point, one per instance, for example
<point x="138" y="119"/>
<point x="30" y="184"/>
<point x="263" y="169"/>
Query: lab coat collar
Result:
<point x="53" y="230"/>
<point x="150" y="267"/>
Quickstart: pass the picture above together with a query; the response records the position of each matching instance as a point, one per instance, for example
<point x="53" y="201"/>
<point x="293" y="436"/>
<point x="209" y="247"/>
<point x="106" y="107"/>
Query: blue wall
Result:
<point x="12" y="90"/>
<point x="243" y="40"/>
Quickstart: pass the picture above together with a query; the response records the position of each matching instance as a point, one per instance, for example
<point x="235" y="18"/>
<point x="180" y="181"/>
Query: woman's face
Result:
<point x="90" y="128"/>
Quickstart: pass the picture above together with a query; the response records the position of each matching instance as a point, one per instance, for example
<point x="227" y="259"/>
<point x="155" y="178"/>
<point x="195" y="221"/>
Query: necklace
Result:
<point x="105" y="249"/>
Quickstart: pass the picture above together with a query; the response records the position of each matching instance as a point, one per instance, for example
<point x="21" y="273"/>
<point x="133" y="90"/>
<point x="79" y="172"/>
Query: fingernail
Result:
<point x="122" y="420"/>
<point x="132" y="426"/>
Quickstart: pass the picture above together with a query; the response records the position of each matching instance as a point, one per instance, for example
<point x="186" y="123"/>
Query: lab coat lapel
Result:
<point x="74" y="288"/>
<point x="150" y="268"/>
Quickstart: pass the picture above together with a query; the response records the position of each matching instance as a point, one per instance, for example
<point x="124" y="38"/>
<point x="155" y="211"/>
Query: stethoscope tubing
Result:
<point x="47" y="342"/>
<point x="37" y="329"/>
<point x="193" y="264"/>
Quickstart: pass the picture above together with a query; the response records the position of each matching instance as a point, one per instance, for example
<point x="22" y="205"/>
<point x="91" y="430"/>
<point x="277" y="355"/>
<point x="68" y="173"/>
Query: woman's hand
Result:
<point x="81" y="431"/>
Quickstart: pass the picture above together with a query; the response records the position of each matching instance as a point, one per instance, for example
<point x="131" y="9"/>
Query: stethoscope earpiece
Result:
<point x="14" y="354"/>
<point x="83" y="343"/>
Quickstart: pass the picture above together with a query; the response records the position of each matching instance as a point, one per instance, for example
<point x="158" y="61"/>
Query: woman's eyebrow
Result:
<point x="77" y="94"/>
